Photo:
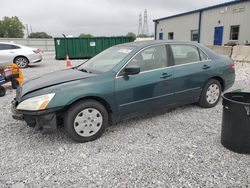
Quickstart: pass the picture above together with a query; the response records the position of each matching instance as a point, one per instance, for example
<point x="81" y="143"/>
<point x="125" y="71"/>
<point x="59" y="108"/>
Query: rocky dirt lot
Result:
<point x="180" y="148"/>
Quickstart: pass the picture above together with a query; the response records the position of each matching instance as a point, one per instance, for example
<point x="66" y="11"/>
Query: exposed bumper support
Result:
<point x="47" y="123"/>
<point x="43" y="120"/>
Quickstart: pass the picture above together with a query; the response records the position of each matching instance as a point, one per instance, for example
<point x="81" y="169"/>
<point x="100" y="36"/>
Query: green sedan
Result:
<point x="122" y="82"/>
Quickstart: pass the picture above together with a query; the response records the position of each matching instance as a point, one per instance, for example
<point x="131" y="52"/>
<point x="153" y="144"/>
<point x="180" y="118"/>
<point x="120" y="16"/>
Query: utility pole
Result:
<point x="27" y="28"/>
<point x="31" y="29"/>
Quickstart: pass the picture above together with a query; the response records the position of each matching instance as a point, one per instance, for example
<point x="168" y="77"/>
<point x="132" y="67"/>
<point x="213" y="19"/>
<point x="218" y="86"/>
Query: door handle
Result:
<point x="165" y="75"/>
<point x="12" y="52"/>
<point x="205" y="67"/>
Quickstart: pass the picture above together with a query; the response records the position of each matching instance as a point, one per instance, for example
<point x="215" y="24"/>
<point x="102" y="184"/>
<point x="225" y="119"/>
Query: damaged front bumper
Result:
<point x="45" y="120"/>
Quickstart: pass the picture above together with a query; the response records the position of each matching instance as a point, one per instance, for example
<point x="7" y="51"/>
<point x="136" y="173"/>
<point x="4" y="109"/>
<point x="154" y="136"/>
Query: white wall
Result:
<point x="210" y="20"/>
<point x="43" y="44"/>
<point x="181" y="26"/>
<point x="227" y="15"/>
<point x="144" y="39"/>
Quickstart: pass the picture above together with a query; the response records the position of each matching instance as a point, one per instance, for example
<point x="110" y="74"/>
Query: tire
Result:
<point x="86" y="121"/>
<point x="22" y="62"/>
<point x="14" y="84"/>
<point x="210" y="94"/>
<point x="2" y="91"/>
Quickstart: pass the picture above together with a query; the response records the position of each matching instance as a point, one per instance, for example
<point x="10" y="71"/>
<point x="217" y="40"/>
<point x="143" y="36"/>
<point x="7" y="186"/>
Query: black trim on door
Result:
<point x="170" y="56"/>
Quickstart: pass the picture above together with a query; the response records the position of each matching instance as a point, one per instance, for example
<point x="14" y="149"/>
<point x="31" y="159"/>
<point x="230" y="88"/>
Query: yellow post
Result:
<point x="17" y="70"/>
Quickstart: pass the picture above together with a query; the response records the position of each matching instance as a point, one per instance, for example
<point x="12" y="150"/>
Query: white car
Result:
<point x="21" y="55"/>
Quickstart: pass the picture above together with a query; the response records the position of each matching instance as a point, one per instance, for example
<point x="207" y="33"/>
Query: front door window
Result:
<point x="151" y="58"/>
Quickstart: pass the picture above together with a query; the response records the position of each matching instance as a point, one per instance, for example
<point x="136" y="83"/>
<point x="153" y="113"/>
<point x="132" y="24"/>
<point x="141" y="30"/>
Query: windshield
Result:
<point x="106" y="60"/>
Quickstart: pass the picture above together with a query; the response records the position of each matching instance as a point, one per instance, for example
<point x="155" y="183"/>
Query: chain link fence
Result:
<point x="43" y="44"/>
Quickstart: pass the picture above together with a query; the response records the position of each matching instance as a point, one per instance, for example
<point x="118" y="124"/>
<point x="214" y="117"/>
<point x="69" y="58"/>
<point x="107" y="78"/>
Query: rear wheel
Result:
<point x="211" y="93"/>
<point x="22" y="62"/>
<point x="2" y="91"/>
<point x="86" y="121"/>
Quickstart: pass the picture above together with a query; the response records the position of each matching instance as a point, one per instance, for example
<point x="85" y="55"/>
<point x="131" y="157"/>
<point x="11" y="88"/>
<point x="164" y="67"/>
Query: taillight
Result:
<point x="231" y="65"/>
<point x="37" y="51"/>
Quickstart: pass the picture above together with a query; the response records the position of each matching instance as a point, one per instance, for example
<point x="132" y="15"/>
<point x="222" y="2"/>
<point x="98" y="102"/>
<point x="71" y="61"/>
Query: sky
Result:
<point x="98" y="17"/>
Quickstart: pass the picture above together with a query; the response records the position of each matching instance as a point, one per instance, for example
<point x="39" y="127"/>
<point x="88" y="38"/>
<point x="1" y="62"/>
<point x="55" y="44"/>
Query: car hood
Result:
<point x="51" y="79"/>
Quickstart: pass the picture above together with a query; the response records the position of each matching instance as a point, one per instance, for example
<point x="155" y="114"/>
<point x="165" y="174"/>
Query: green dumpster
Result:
<point x="83" y="48"/>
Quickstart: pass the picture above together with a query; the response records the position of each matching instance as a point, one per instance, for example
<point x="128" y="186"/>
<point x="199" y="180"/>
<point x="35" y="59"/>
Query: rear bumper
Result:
<point x="229" y="81"/>
<point x="36" y="60"/>
<point x="45" y="120"/>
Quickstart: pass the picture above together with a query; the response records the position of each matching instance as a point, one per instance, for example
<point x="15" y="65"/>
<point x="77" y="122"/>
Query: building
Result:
<point x="214" y="25"/>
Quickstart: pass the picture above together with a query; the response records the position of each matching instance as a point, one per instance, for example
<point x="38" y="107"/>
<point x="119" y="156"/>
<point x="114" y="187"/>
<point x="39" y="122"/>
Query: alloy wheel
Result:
<point x="21" y="62"/>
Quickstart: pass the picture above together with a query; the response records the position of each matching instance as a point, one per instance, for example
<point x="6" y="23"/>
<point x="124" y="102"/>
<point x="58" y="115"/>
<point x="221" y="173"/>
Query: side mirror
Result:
<point x="132" y="70"/>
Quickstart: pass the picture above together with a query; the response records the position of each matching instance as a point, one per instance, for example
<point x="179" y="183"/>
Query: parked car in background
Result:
<point x="21" y="55"/>
<point x="121" y="82"/>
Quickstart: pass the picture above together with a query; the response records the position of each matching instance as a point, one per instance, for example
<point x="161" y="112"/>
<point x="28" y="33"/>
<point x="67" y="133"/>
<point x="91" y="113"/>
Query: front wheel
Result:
<point x="86" y="121"/>
<point x="22" y="62"/>
<point x="211" y="93"/>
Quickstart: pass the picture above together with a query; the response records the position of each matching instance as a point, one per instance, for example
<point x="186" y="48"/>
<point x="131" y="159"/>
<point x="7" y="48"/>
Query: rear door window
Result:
<point x="15" y="47"/>
<point x="184" y="54"/>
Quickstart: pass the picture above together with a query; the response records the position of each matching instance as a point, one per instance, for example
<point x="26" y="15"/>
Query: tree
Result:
<point x="42" y="35"/>
<point x="83" y="35"/>
<point x="1" y="30"/>
<point x="11" y="27"/>
<point x="131" y="34"/>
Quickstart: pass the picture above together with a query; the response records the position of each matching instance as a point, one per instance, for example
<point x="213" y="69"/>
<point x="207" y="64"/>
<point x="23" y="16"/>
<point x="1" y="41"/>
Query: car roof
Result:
<point x="153" y="42"/>
<point x="142" y="44"/>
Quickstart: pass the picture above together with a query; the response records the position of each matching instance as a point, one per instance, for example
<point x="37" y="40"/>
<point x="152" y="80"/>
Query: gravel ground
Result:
<point x="180" y="148"/>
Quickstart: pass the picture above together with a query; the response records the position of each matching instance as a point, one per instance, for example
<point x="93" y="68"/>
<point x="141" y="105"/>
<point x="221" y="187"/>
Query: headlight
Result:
<point x="36" y="103"/>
